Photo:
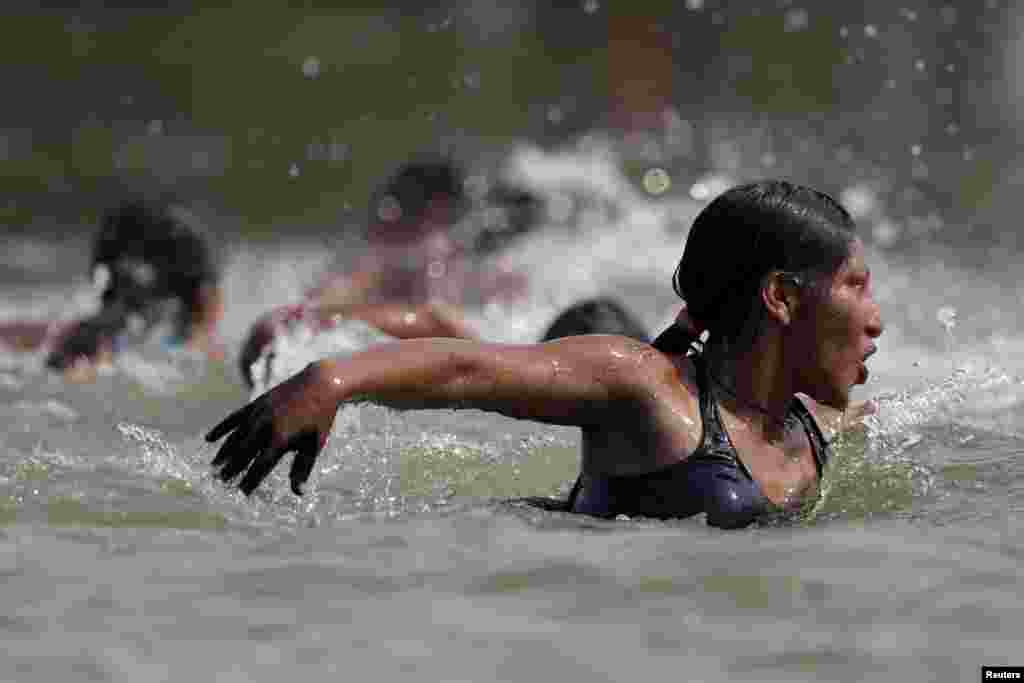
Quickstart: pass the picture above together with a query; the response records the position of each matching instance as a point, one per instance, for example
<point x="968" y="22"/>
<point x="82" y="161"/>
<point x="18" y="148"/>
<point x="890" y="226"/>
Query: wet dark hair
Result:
<point x="743" y="235"/>
<point x="155" y="250"/>
<point x="414" y="184"/>
<point x="600" y="315"/>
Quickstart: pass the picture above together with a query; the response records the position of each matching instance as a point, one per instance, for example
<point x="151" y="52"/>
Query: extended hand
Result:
<point x="295" y="416"/>
<point x="83" y="343"/>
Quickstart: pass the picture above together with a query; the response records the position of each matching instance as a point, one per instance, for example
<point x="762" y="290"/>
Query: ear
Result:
<point x="780" y="296"/>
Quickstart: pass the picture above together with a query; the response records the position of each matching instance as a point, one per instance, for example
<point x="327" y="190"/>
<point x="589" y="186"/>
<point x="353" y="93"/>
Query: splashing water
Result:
<point x="107" y="499"/>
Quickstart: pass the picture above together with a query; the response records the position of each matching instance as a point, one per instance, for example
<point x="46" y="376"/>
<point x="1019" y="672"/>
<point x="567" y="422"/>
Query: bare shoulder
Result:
<point x="655" y="421"/>
<point x="626" y="361"/>
<point x="659" y="384"/>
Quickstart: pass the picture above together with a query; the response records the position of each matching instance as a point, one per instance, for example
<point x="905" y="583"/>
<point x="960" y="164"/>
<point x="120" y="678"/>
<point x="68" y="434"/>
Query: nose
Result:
<point x="875" y="325"/>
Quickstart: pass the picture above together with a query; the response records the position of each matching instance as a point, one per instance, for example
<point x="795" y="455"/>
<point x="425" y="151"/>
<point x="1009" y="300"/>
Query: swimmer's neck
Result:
<point x="761" y="384"/>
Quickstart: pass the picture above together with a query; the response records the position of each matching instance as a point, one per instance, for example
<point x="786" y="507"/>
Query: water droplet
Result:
<point x="657" y="181"/>
<point x="591" y="6"/>
<point x="471" y="80"/>
<point x="389" y="210"/>
<point x="555" y="114"/>
<point x="695" y="5"/>
<point x="710" y="187"/>
<point x="871" y="31"/>
<point x="915" y="150"/>
<point x="885" y="232"/>
<point x="844" y="32"/>
<point x="950" y="68"/>
<point x="101" y="276"/>
<point x="293" y="171"/>
<point x="445" y="23"/>
<point x="919" y="64"/>
<point x="946" y="317"/>
<point x="859" y="200"/>
<point x="890" y="83"/>
<point x="968" y="154"/>
<point x="311" y="67"/>
<point x="796" y="20"/>
<point x="908" y="14"/>
<point x="952" y="128"/>
<point x="155" y="127"/>
<point x="768" y="160"/>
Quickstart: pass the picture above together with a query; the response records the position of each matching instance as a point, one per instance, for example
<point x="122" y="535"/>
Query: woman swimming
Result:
<point x="156" y="263"/>
<point x="730" y="427"/>
<point x="416" y="271"/>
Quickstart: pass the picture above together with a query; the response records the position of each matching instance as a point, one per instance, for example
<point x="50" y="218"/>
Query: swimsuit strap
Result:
<point x="715" y="443"/>
<point x="819" y="444"/>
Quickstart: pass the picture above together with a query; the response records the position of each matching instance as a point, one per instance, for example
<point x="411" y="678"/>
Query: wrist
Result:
<point x="329" y="377"/>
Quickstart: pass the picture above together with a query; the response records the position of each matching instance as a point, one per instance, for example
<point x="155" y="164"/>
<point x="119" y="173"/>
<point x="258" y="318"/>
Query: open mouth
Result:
<point x="862" y="372"/>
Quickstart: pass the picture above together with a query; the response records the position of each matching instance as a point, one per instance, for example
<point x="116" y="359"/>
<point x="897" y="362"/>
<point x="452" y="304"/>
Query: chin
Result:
<point x="831" y="396"/>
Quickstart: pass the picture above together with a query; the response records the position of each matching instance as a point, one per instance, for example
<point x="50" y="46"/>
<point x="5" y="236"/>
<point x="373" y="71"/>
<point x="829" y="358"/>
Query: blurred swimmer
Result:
<point x="416" y="270"/>
<point x="156" y="265"/>
<point x="600" y="315"/>
<point x="396" y="320"/>
<point x="416" y="254"/>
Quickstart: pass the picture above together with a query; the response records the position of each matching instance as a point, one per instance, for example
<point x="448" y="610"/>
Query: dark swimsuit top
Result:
<point x="712" y="479"/>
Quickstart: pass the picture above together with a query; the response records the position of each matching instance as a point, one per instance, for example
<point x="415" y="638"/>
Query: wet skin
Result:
<point x="843" y="326"/>
<point x="637" y="407"/>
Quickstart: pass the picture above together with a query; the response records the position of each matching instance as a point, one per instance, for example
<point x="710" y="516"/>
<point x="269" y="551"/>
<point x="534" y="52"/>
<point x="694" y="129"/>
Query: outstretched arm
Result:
<point x="570" y="381"/>
<point x="585" y="381"/>
<point x="403" y="321"/>
<point x="73" y="348"/>
<point x="25" y="335"/>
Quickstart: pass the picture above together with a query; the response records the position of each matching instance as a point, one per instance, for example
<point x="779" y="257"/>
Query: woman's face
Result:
<point x="840" y="329"/>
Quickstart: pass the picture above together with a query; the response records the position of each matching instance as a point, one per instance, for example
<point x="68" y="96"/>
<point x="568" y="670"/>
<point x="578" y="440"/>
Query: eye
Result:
<point x="861" y="281"/>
